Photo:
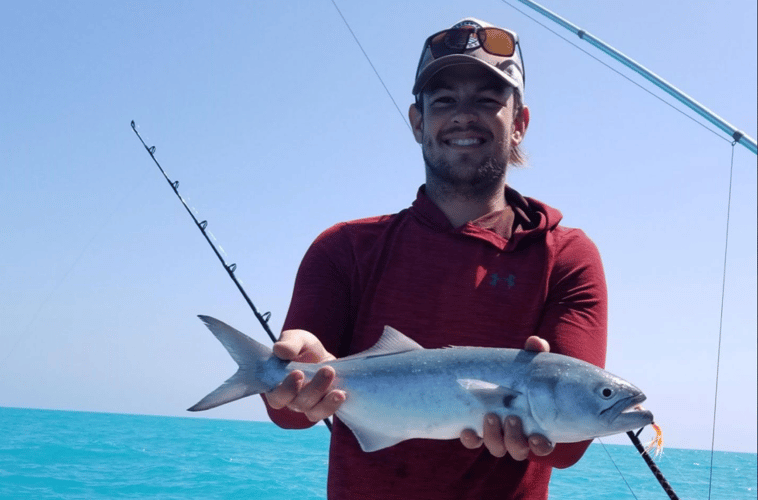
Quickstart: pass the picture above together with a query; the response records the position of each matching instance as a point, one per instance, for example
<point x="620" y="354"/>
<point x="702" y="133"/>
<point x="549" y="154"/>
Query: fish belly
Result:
<point x="385" y="407"/>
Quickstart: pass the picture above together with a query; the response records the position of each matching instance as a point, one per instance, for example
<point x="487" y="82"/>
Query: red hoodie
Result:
<point x="492" y="282"/>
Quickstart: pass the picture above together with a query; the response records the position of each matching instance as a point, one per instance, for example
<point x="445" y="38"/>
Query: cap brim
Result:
<point x="455" y="59"/>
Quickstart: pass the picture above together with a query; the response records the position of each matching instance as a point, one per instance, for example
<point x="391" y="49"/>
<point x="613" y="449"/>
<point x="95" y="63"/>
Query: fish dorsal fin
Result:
<point x="491" y="395"/>
<point x="391" y="342"/>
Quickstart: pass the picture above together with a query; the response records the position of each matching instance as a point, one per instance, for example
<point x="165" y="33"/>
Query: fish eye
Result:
<point x="606" y="392"/>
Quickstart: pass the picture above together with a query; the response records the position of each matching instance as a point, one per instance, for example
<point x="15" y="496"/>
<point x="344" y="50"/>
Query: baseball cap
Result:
<point x="471" y="41"/>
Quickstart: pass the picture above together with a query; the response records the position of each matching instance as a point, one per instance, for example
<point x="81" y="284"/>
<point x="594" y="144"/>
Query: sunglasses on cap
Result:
<point x="495" y="41"/>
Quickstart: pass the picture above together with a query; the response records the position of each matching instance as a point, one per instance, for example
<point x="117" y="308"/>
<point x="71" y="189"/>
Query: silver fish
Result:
<point x="398" y="390"/>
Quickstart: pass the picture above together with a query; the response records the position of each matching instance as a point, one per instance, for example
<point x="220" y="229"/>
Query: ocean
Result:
<point x="47" y="454"/>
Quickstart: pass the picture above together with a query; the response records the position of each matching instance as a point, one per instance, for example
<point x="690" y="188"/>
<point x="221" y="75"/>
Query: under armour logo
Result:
<point x="509" y="280"/>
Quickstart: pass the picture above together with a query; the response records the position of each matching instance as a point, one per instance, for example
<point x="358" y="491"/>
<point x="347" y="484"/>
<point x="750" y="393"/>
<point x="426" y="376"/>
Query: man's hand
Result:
<point x="507" y="438"/>
<point x="315" y="399"/>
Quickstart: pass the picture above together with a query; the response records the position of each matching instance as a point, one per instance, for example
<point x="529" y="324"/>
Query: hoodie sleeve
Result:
<point x="575" y="317"/>
<point x="320" y="304"/>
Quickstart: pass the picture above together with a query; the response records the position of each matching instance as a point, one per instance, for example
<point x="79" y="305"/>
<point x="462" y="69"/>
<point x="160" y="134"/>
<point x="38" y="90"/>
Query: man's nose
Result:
<point x="465" y="113"/>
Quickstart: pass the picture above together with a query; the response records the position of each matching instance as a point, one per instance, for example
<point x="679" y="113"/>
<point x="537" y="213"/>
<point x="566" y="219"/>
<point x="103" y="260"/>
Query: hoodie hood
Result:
<point x="523" y="218"/>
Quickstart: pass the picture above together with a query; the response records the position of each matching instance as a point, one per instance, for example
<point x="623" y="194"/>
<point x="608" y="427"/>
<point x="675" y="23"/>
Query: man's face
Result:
<point x="468" y="128"/>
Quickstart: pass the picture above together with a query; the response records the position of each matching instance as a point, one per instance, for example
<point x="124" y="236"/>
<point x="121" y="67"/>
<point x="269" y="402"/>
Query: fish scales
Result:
<point x="418" y="393"/>
<point x="397" y="390"/>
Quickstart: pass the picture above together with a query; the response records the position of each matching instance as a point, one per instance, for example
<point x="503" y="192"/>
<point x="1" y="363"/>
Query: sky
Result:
<point x="277" y="127"/>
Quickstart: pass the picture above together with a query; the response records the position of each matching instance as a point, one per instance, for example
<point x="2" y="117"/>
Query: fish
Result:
<point x="398" y="390"/>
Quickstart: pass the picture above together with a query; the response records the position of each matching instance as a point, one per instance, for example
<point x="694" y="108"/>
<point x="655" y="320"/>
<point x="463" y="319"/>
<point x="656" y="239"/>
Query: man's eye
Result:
<point x="489" y="101"/>
<point x="442" y="100"/>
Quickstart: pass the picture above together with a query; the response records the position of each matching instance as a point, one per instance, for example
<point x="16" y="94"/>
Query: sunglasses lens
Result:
<point x="497" y="42"/>
<point x="453" y="41"/>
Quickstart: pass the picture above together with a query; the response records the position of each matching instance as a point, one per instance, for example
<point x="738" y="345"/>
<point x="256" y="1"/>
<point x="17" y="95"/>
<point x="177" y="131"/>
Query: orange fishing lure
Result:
<point x="657" y="443"/>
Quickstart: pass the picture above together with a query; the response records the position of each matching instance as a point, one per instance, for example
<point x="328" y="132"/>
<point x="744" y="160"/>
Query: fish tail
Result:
<point x="657" y="443"/>
<point x="258" y="368"/>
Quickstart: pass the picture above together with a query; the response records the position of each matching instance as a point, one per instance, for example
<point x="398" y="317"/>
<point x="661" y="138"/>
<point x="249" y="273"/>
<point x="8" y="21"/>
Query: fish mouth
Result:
<point x="627" y="412"/>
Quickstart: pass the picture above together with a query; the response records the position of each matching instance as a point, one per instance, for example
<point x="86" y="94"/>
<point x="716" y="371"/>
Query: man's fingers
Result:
<point x="515" y="441"/>
<point x="291" y="345"/>
<point x="286" y="350"/>
<point x="537" y="344"/>
<point x="470" y="439"/>
<point x="302" y="346"/>
<point x="327" y="407"/>
<point x="284" y="393"/>
<point x="540" y="445"/>
<point x="493" y="435"/>
<point x="313" y="398"/>
<point x="506" y="438"/>
<point x="312" y="392"/>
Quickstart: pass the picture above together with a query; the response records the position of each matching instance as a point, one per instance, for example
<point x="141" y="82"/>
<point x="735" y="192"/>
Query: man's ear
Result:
<point x="520" y="124"/>
<point x="417" y="122"/>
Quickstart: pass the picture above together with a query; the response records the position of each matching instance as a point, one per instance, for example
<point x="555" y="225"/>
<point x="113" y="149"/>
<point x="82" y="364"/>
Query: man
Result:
<point x="471" y="262"/>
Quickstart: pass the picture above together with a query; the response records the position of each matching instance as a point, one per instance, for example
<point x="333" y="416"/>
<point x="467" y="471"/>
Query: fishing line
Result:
<point x="721" y="317"/>
<point x="202" y="226"/>
<point x="618" y="72"/>
<point x="617" y="468"/>
<point x="25" y="332"/>
<point x="372" y="66"/>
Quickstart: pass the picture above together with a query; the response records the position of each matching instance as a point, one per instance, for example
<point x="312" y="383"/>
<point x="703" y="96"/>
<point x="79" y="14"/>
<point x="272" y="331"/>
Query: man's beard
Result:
<point x="486" y="178"/>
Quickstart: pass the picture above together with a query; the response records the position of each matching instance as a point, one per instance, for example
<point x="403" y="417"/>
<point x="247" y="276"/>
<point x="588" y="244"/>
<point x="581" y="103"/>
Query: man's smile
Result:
<point x="467" y="138"/>
<point x="465" y="142"/>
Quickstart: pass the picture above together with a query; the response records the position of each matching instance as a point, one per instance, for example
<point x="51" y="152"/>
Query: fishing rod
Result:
<point x="737" y="135"/>
<point x="651" y="464"/>
<point x="230" y="268"/>
<point x="202" y="225"/>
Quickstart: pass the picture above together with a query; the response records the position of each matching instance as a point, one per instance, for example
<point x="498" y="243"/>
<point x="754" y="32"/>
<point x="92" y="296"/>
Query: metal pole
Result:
<point x="736" y="134"/>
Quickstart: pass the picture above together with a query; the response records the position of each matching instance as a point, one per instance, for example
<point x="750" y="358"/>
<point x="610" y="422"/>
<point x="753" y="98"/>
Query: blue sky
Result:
<point x="277" y="127"/>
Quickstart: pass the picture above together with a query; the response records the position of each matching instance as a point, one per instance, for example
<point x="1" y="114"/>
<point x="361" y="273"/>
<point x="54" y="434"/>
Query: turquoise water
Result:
<point x="75" y="455"/>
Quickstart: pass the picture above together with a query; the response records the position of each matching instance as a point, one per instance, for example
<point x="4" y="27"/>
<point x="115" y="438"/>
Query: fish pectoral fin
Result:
<point x="491" y="395"/>
<point x="472" y="384"/>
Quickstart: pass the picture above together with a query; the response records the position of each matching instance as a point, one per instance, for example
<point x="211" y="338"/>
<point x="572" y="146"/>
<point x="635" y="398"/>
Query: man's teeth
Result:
<point x="464" y="142"/>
